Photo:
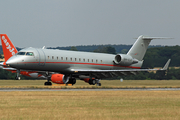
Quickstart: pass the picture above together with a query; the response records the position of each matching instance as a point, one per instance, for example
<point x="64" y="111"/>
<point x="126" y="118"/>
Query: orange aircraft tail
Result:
<point x="8" y="48"/>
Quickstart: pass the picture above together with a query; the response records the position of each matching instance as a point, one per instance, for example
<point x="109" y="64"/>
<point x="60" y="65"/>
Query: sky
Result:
<point x="53" y="23"/>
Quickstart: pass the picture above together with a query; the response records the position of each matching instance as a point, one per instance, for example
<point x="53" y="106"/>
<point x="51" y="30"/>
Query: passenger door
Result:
<point x="42" y="57"/>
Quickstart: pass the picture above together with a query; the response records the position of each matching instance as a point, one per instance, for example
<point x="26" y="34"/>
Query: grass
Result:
<point x="105" y="84"/>
<point x="90" y="105"/>
<point x="1" y="59"/>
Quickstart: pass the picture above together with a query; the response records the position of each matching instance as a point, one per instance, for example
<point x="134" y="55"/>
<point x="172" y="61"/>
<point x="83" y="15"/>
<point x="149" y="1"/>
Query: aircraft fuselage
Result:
<point x="64" y="61"/>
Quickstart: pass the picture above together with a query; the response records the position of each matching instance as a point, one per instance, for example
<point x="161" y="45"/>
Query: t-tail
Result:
<point x="139" y="48"/>
<point x="8" y="48"/>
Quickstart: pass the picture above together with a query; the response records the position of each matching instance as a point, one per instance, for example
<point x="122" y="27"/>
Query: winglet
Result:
<point x="166" y="65"/>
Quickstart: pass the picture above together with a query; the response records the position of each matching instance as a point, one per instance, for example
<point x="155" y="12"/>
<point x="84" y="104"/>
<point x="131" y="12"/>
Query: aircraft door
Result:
<point x="42" y="57"/>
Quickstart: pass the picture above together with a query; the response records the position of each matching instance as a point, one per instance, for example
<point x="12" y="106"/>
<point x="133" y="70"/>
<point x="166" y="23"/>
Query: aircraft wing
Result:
<point x="1" y="63"/>
<point x="115" y="73"/>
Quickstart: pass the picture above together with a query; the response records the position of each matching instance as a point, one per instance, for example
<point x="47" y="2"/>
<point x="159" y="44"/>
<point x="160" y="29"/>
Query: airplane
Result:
<point x="64" y="67"/>
<point x="9" y="50"/>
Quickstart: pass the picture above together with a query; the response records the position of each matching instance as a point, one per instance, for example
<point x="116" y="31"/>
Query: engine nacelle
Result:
<point x="124" y="60"/>
<point x="59" y="78"/>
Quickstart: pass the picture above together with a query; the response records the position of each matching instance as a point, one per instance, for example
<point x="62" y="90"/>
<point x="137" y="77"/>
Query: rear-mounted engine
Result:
<point x="124" y="60"/>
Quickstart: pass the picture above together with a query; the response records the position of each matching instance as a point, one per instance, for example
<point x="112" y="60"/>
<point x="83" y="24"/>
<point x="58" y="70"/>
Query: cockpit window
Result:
<point x="26" y="53"/>
<point x="21" y="53"/>
<point x="30" y="53"/>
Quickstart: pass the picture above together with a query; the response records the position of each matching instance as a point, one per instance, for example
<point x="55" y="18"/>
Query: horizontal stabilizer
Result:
<point x="151" y="38"/>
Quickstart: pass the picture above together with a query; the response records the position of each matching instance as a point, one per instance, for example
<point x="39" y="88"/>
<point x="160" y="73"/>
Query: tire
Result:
<point x="48" y="83"/>
<point x="92" y="82"/>
<point x="17" y="78"/>
<point x="72" y="81"/>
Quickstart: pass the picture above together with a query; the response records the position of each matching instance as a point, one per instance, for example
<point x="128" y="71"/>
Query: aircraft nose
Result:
<point x="12" y="62"/>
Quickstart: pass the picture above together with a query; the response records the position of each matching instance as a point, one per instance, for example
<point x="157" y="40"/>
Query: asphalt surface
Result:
<point x="125" y="89"/>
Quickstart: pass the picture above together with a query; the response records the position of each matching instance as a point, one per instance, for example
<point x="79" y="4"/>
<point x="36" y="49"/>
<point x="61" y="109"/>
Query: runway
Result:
<point x="125" y="89"/>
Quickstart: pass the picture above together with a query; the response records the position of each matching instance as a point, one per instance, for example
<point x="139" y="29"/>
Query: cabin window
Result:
<point x="61" y="58"/>
<point x="48" y="57"/>
<point x="75" y="59"/>
<point x="66" y="58"/>
<point x="101" y="61"/>
<point x="92" y="60"/>
<point x="88" y="60"/>
<point x="57" y="58"/>
<point x="96" y="61"/>
<point x="71" y="59"/>
<point x="84" y="60"/>
<point x="79" y="59"/>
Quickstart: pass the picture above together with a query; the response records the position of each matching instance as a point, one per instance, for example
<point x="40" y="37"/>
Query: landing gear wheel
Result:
<point x="72" y="81"/>
<point x="17" y="78"/>
<point x="48" y="83"/>
<point x="98" y="84"/>
<point x="92" y="82"/>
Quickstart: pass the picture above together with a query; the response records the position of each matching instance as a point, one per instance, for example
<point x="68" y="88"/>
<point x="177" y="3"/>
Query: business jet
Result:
<point x="64" y="67"/>
<point x="9" y="50"/>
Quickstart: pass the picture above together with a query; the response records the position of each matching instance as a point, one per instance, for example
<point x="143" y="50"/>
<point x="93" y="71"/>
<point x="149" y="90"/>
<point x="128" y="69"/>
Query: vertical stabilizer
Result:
<point x="139" y="48"/>
<point x="8" y="48"/>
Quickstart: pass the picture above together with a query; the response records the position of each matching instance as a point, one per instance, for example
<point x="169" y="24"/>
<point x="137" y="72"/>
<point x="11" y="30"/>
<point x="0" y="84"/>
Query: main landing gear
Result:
<point x="98" y="84"/>
<point x="48" y="81"/>
<point x="95" y="81"/>
<point x="71" y="81"/>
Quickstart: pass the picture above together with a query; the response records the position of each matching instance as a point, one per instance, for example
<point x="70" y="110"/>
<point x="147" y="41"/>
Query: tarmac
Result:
<point x="124" y="89"/>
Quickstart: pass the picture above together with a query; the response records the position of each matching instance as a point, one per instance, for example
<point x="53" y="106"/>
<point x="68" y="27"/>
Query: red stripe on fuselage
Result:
<point x="84" y="64"/>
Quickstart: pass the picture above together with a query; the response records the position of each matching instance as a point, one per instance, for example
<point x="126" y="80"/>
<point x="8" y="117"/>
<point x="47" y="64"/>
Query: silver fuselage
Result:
<point x="64" y="61"/>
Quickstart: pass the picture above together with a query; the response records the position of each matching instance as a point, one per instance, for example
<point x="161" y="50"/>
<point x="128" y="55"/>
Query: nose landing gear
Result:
<point x="17" y="76"/>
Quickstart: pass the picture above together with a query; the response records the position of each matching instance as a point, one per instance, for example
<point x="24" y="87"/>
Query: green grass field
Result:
<point x="91" y="105"/>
